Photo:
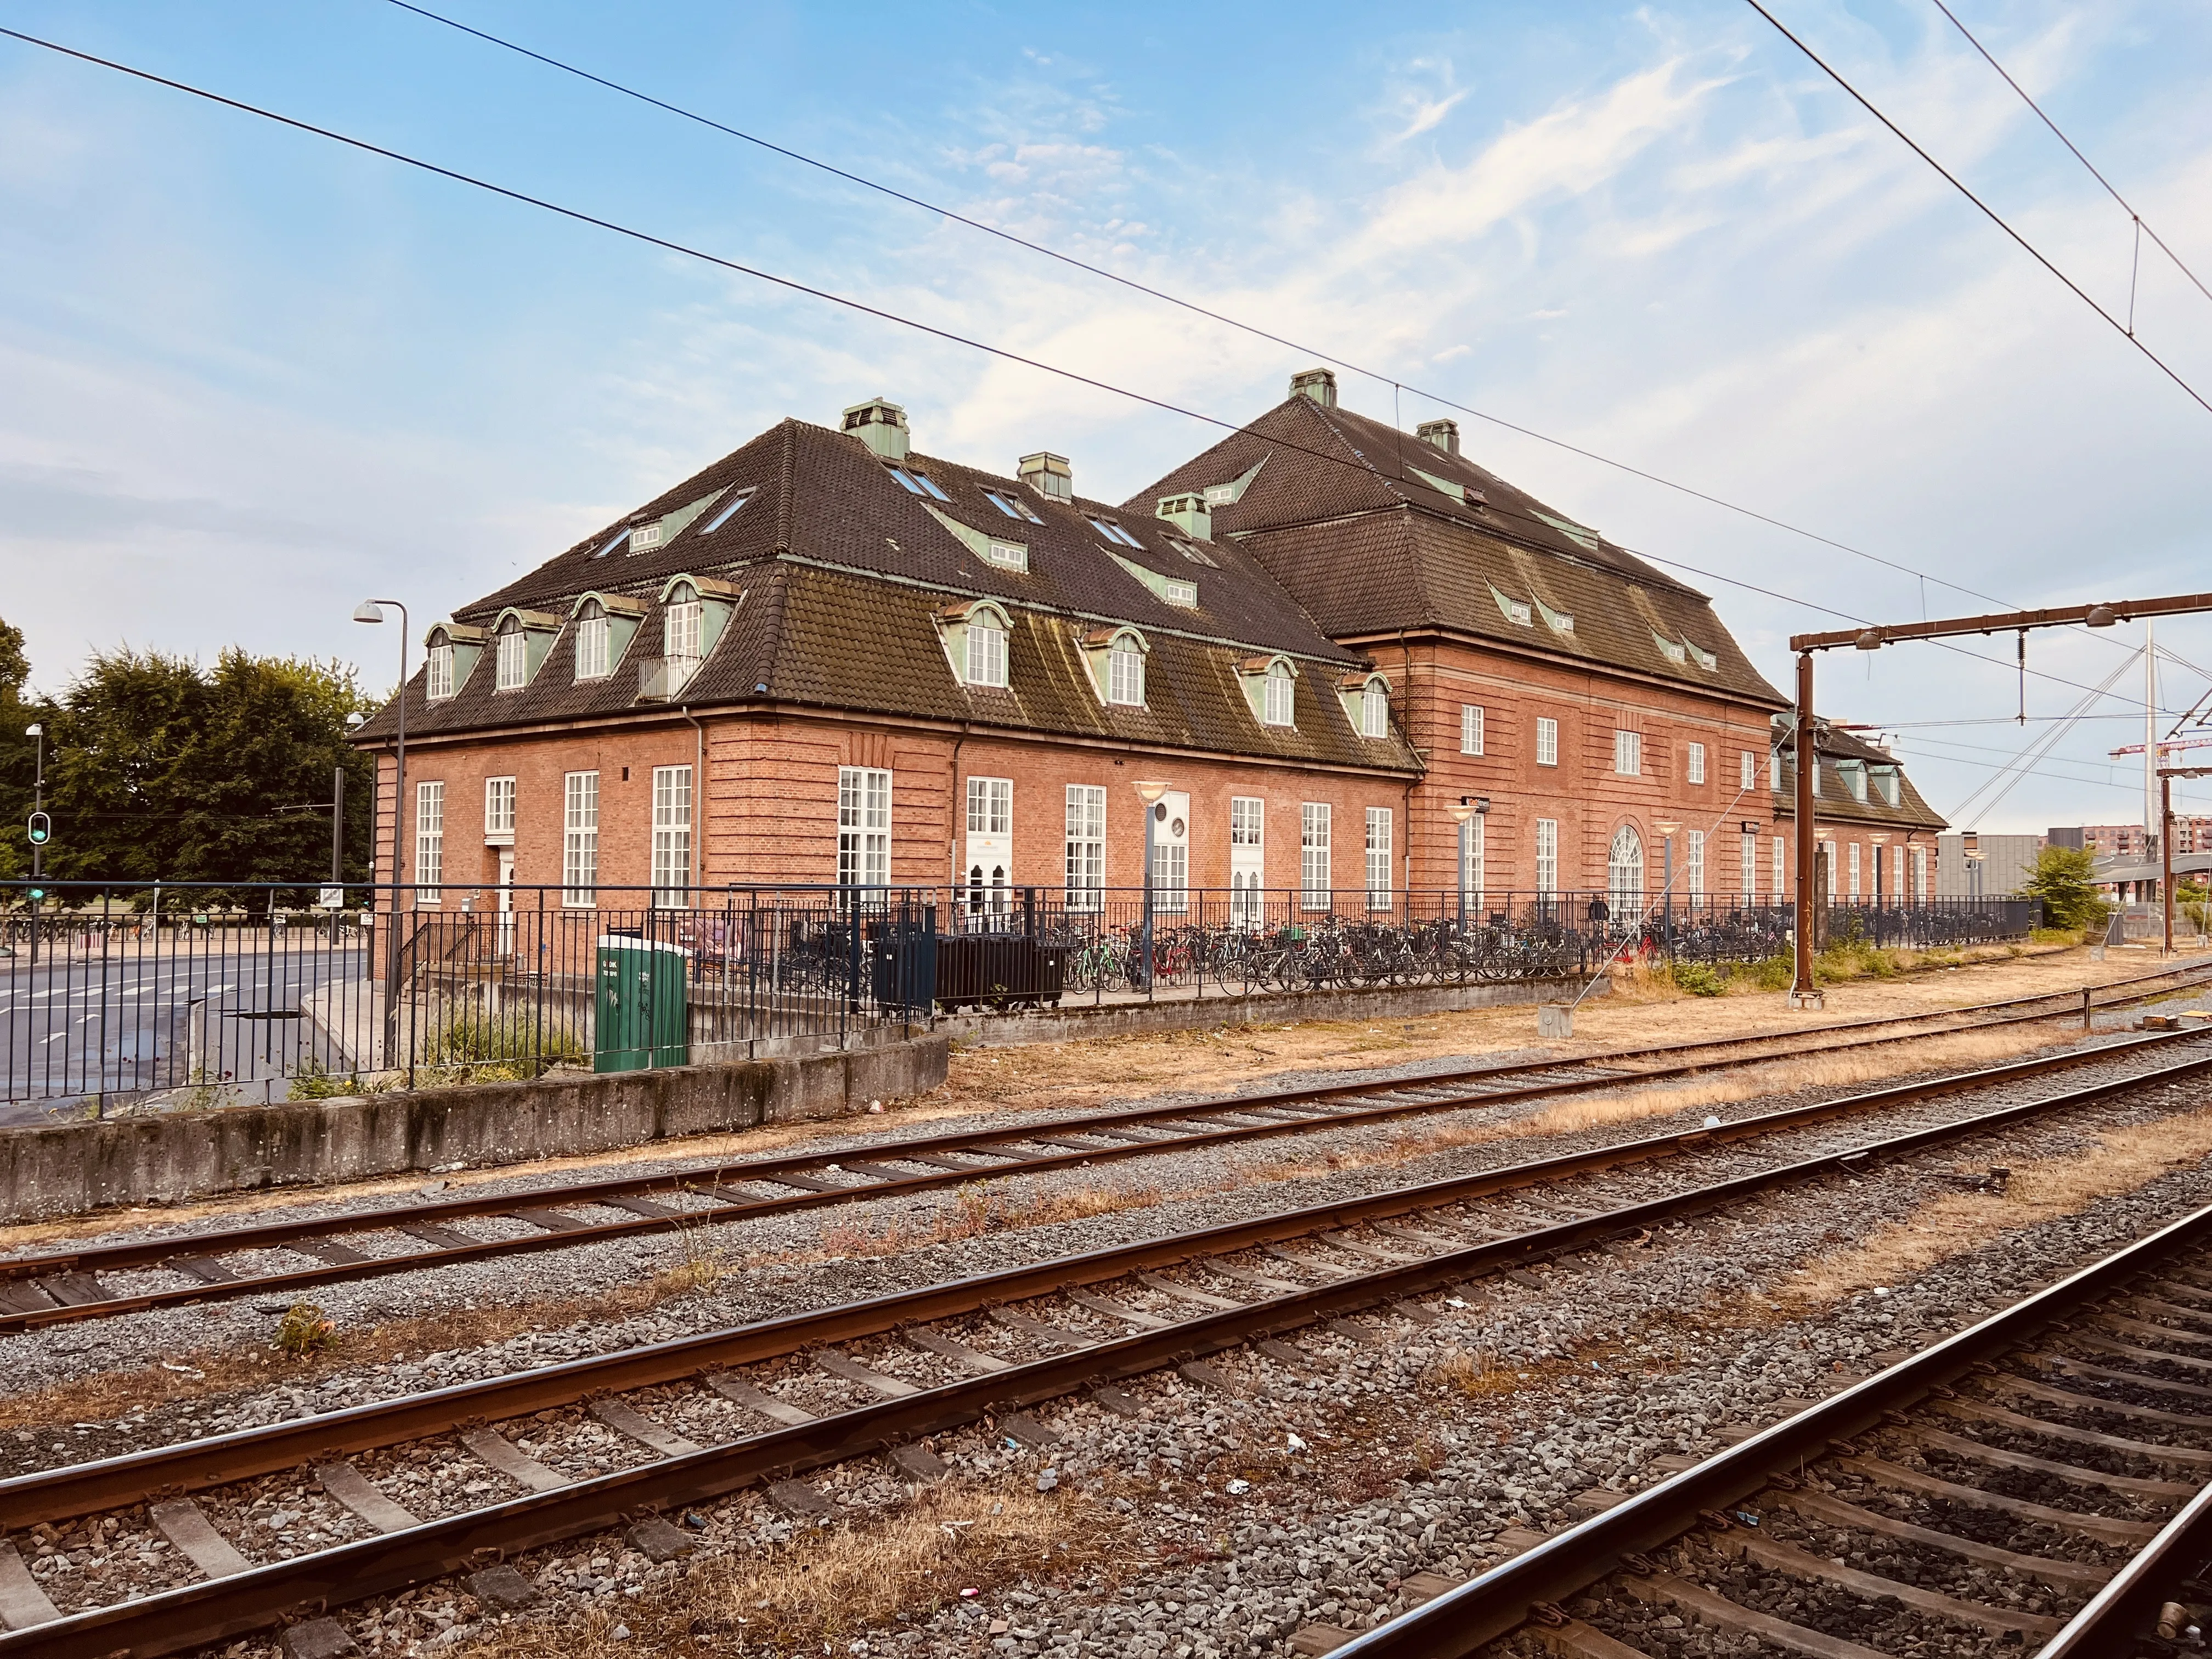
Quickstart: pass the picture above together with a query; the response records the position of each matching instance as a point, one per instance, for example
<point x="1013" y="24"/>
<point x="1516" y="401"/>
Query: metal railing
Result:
<point x="1010" y="947"/>
<point x="114" y="996"/>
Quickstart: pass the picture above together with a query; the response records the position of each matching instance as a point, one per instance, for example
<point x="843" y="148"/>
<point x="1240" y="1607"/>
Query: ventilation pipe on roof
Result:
<point x="1190" y="514"/>
<point x="880" y="424"/>
<point x="1049" y="474"/>
<point x="1318" y="384"/>
<point x="1443" y="434"/>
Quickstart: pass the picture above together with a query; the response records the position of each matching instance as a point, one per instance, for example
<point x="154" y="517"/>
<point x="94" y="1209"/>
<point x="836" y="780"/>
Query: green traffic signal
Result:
<point x="37" y="894"/>
<point x="41" y="828"/>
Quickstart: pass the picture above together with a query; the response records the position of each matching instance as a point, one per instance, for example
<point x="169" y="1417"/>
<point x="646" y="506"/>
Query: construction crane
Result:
<point x="2167" y="746"/>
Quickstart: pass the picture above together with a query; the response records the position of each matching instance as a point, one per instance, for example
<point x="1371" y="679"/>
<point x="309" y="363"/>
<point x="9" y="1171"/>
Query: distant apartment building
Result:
<point x="2131" y="840"/>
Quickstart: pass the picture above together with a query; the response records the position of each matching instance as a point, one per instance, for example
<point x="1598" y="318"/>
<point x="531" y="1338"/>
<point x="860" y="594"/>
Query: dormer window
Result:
<point x="514" y="660"/>
<point x="1270" y="686"/>
<point x="987" y="650"/>
<point x="1516" y="611"/>
<point x="680" y="626"/>
<point x="593" y="659"/>
<point x="1125" y="671"/>
<point x="438" y="677"/>
<point x="917" y="483"/>
<point x="1113" y="532"/>
<point x="1008" y="555"/>
<point x="645" y="537"/>
<point x="1012" y="506"/>
<point x="1374" y="710"/>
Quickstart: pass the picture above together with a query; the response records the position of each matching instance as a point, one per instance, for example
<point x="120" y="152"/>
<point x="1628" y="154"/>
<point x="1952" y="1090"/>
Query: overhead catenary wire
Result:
<point x="1989" y="212"/>
<point x="2141" y="227"/>
<point x="2035" y="751"/>
<point x="862" y="308"/>
<point x="1167" y="297"/>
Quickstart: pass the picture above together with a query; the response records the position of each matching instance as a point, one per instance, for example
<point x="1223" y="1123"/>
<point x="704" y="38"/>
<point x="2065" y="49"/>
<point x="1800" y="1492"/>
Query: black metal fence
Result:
<point x="112" y="995"/>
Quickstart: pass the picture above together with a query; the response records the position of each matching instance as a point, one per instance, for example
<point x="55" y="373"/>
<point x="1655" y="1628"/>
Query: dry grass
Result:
<point x="2121" y="1161"/>
<point x="828" y="1582"/>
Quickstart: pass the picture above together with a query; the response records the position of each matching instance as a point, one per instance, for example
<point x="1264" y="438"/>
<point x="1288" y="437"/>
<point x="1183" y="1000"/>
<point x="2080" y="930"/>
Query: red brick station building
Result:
<point x="828" y="657"/>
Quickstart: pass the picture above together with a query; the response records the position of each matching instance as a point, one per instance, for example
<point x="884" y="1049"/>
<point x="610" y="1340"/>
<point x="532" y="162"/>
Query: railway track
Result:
<point x="288" y="1257"/>
<point x="2035" y="1485"/>
<point x="624" y="1438"/>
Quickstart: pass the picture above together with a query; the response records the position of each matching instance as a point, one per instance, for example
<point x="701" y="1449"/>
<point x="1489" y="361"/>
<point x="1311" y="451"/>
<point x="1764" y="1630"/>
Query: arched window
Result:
<point x="987" y="648"/>
<point x="438" y="676"/>
<point x="1374" y="710"/>
<point x="514" y="662"/>
<point x="1125" y="671"/>
<point x="591" y="632"/>
<point x="1280" y="699"/>
<point x="680" y="624"/>
<point x="1623" y="871"/>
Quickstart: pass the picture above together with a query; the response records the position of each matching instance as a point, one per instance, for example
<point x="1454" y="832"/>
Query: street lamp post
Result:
<point x="37" y="733"/>
<point x="1464" y="811"/>
<point x="372" y="610"/>
<point x="1150" y="794"/>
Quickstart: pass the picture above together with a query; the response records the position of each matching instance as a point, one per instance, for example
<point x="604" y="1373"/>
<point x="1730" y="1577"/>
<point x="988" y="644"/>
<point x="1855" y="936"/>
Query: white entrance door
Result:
<point x="1171" y="854"/>
<point x="988" y="869"/>
<point x="1248" y="858"/>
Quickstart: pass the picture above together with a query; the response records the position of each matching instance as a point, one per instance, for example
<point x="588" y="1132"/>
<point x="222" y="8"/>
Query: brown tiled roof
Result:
<point x="1338" y="512"/>
<point x="1835" y="805"/>
<point x="839" y="573"/>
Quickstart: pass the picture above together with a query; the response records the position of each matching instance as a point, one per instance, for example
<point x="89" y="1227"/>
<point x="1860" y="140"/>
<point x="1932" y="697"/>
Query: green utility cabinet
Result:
<point x="642" y="1003"/>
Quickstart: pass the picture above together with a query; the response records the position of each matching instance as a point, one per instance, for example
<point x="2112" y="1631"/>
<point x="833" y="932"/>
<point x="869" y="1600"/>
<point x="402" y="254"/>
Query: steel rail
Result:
<point x="203" y="1246"/>
<point x="84" y="1488"/>
<point x="2130" y="1601"/>
<point x="196" y="1614"/>
<point x="1461" y="1621"/>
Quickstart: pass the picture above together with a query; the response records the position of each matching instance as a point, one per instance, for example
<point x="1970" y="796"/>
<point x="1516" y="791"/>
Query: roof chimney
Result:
<point x="1190" y="514"/>
<point x="1318" y="384"/>
<point x="1445" y="435"/>
<point x="1049" y="474"/>
<point x="880" y="424"/>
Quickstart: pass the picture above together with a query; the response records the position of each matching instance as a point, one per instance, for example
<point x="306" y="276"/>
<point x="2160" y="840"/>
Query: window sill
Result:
<point x="495" y="838"/>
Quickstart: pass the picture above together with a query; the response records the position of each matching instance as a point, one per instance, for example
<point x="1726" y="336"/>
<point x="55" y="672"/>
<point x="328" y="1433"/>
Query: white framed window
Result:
<point x="1694" y="763"/>
<point x="429" y="842"/>
<point x="499" y="809"/>
<point x="1780" y="863"/>
<point x="1374" y="710"/>
<point x="513" y="671"/>
<point x="1247" y="821"/>
<point x="1378" y="858"/>
<point x="1828" y="848"/>
<point x="593" y="637"/>
<point x="1748" y="856"/>
<point x="438" y="675"/>
<point x="680" y="626"/>
<point x="864" y="827"/>
<point x="990" y="806"/>
<point x="986" y="651"/>
<point x="1623" y="871"/>
<point x="1470" y="728"/>
<point x="579" y="840"/>
<point x="1693" y="866"/>
<point x="1920" y="874"/>
<point x="1278" y="698"/>
<point x="1774" y="770"/>
<point x="1086" y="845"/>
<point x="1470" y="873"/>
<point x="1548" y="857"/>
<point x="1854" y="862"/>
<point x="1547" y="741"/>
<point x="671" y="836"/>
<point x="1628" y="754"/>
<point x="1313" y="855"/>
<point x="1125" y="672"/>
<point x="1747" y="769"/>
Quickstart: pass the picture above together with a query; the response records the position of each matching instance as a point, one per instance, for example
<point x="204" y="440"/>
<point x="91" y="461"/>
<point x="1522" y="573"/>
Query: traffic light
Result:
<point x="38" y="895"/>
<point x="41" y="827"/>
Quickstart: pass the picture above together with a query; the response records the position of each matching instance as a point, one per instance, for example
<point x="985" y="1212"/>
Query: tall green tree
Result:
<point x="158" y="769"/>
<point x="2063" y="878"/>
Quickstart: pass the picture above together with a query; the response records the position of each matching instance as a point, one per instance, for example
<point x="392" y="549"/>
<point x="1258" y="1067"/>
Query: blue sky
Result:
<point x="247" y="377"/>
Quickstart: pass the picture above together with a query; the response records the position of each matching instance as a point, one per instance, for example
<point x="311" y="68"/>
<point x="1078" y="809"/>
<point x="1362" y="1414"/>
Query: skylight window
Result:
<point x="1012" y="506"/>
<point x="918" y="483"/>
<point x="620" y="536"/>
<point x="1112" y="532"/>
<point x="1193" y="551"/>
<point x="727" y="513"/>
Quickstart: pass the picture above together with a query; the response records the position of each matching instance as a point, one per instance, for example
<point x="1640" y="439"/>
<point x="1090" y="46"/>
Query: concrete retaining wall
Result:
<point x="1073" y="1022"/>
<point x="68" y="1169"/>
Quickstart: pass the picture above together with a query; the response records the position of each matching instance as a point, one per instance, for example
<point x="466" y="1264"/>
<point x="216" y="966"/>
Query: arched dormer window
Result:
<point x="1115" y="657"/>
<point x="592" y="659"/>
<point x="976" y="637"/>
<point x="693" y="611"/>
<point x="453" y="649"/>
<point x="680" y="627"/>
<point x="1270" y="686"/>
<point x="514" y="661"/>
<point x="1367" y="704"/>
